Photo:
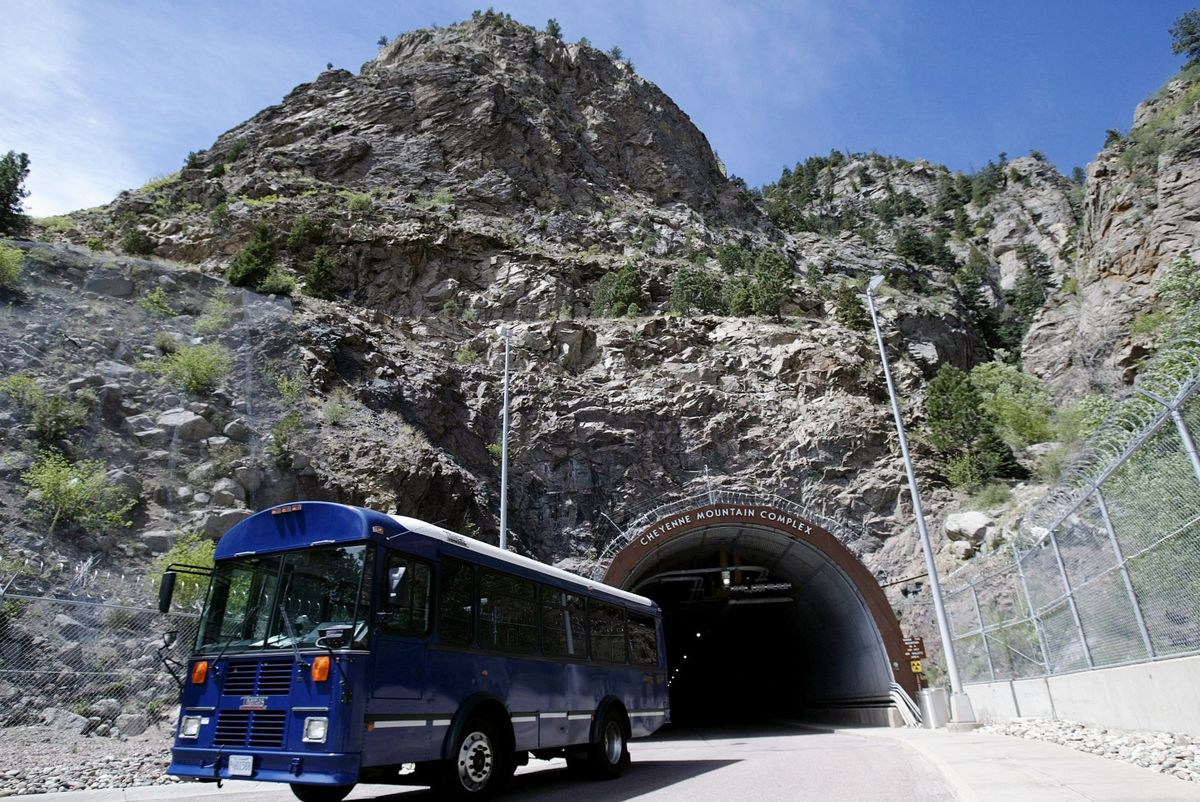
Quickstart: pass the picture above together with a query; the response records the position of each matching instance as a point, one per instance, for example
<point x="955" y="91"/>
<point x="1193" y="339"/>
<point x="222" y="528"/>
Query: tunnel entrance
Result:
<point x="767" y="613"/>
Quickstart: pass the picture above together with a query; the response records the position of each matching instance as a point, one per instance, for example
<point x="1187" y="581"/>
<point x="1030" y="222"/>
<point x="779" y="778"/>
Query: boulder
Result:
<point x="186" y="425"/>
<point x="157" y="539"/>
<point x="68" y="627"/>
<point x="106" y="281"/>
<point x="215" y="523"/>
<point x="970" y="526"/>
<point x="131" y="724"/>
<point x="122" y="479"/>
<point x="63" y="720"/>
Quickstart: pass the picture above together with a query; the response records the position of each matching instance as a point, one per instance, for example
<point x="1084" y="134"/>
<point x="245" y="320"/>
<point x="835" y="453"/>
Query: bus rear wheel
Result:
<point x="321" y="793"/>
<point x="607" y="758"/>
<point x="478" y="765"/>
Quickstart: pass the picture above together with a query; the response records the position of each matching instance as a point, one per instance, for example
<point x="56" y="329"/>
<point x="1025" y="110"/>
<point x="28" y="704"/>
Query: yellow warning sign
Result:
<point x="917" y="668"/>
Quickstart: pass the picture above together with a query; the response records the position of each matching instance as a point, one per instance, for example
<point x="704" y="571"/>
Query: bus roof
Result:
<point x="314" y="523"/>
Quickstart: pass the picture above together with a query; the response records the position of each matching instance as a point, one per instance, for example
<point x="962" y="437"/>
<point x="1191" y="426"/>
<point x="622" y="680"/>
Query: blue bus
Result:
<point x="339" y="645"/>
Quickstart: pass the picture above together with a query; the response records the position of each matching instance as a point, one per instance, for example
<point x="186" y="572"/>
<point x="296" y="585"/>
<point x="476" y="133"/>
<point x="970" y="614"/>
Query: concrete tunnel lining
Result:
<point x="851" y="642"/>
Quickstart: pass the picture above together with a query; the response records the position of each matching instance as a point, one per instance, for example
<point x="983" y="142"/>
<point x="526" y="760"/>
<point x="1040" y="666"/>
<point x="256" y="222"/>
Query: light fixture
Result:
<point x="725" y="575"/>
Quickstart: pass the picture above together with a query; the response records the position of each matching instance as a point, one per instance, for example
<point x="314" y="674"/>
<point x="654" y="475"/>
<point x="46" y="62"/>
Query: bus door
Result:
<point x="403" y="624"/>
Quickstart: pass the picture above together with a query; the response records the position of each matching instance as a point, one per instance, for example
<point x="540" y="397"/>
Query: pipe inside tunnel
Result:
<point x="762" y="623"/>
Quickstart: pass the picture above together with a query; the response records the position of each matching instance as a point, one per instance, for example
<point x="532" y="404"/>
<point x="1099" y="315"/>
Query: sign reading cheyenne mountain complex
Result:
<point x="715" y="515"/>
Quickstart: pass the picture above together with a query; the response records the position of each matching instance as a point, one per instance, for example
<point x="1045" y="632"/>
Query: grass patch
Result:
<point x="196" y="368"/>
<point x="219" y="315"/>
<point x="12" y="261"/>
<point x="155" y="302"/>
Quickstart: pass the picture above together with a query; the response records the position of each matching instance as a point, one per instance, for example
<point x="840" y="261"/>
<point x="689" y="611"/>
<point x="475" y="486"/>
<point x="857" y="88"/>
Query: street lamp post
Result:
<point x="960" y="703"/>
<point x="506" y="332"/>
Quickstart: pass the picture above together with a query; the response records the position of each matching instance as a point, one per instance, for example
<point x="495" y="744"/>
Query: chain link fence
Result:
<point x="88" y="667"/>
<point x="1104" y="570"/>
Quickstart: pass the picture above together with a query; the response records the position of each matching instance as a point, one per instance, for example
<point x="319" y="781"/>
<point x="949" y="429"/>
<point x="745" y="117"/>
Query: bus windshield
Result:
<point x="315" y="589"/>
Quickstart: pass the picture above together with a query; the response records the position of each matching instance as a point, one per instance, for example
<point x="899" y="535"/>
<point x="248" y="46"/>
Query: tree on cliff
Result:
<point x="1185" y="36"/>
<point x="14" y="169"/>
<point x="772" y="284"/>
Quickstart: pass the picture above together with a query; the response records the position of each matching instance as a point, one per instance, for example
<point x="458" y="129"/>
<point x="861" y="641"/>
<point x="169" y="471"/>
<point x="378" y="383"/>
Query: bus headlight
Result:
<point x="315" y="730"/>
<point x="189" y="727"/>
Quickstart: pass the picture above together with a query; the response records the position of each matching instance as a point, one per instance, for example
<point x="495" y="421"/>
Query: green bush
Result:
<point x="963" y="434"/>
<point x="303" y="236"/>
<point x="337" y="407"/>
<point x="772" y="284"/>
<point x="218" y="316"/>
<point x="136" y="242"/>
<point x="78" y="493"/>
<point x="22" y="388"/>
<point x="196" y="368"/>
<point x="277" y="283"/>
<point x="1016" y="402"/>
<point x="155" y="302"/>
<point x="848" y="307"/>
<point x="14" y="169"/>
<point x="220" y="213"/>
<point x="734" y="259"/>
<point x="254" y="262"/>
<point x="737" y="297"/>
<point x="495" y="450"/>
<point x="465" y="355"/>
<point x="694" y="289"/>
<point x="236" y="150"/>
<point x="618" y="291"/>
<point x="291" y="388"/>
<point x="1076" y="422"/>
<point x="54" y="417"/>
<point x="318" y="279"/>
<point x="164" y="343"/>
<point x="360" y="202"/>
<point x="992" y="495"/>
<point x="283" y="436"/>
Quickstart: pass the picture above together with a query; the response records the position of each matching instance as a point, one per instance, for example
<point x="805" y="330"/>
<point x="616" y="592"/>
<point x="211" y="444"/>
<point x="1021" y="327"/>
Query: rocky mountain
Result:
<point x="345" y="256"/>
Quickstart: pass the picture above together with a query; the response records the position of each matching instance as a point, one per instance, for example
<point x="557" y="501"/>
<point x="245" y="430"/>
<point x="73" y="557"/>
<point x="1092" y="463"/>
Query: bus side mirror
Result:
<point x="165" y="591"/>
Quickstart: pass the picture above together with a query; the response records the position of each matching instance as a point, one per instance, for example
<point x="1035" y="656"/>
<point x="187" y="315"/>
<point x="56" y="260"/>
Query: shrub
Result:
<point x="236" y="150"/>
<point x="495" y="450"/>
<point x="360" y="202"/>
<point x="220" y="213"/>
<point x="283" y="436"/>
<point x="196" y="368"/>
<point x="218" y="315"/>
<point x="1015" y="401"/>
<point x="22" y="388"/>
<point x="11" y="261"/>
<point x="553" y="28"/>
<point x="733" y="259"/>
<point x="736" y="297"/>
<point x="155" y="302"/>
<point x="693" y="288"/>
<point x="136" y="242"/>
<point x="277" y="283"/>
<point x="254" y="262"/>
<point x="465" y="355"/>
<point x="291" y="388"/>
<point x="960" y="430"/>
<point x="304" y="234"/>
<point x="54" y="417"/>
<point x="618" y="291"/>
<point x="319" y="276"/>
<point x="190" y="548"/>
<point x="1076" y="422"/>
<point x="337" y="407"/>
<point x="164" y="343"/>
<point x="217" y="171"/>
<point x="95" y="244"/>
<point x="78" y="493"/>
<point x="992" y="495"/>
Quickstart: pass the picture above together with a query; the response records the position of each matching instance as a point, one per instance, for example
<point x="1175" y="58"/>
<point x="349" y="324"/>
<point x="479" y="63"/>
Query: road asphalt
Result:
<point x="790" y="763"/>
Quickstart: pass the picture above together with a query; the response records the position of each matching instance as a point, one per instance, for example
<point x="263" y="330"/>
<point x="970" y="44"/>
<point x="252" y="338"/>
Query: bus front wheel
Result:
<point x="478" y="765"/>
<point x="321" y="793"/>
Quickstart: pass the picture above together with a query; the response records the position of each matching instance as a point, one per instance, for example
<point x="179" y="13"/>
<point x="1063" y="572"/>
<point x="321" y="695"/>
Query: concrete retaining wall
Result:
<point x="1163" y="695"/>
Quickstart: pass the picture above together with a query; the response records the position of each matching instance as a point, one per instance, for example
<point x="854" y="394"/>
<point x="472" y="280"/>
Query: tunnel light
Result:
<point x="725" y="575"/>
<point x="697" y="634"/>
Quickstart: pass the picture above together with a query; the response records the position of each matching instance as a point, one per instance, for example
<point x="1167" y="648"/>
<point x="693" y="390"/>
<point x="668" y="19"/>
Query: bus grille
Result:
<point x="260" y="728"/>
<point x="264" y="678"/>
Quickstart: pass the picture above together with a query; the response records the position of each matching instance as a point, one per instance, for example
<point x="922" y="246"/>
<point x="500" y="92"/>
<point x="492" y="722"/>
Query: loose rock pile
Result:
<point x="41" y="762"/>
<point x="1167" y="753"/>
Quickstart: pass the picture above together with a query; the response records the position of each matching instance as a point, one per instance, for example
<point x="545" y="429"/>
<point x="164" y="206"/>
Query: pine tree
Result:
<point x="772" y="284"/>
<point x="553" y="28"/>
<point x="14" y="169"/>
<point x="848" y="308"/>
<point x="1185" y="36"/>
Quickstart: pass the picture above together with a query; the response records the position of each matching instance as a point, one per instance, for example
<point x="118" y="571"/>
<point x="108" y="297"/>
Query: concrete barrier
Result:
<point x="1163" y="695"/>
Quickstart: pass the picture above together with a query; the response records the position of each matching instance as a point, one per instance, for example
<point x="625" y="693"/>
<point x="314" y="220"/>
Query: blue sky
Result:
<point x="107" y="94"/>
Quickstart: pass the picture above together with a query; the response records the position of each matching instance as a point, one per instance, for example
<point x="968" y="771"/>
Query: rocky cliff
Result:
<point x="487" y="172"/>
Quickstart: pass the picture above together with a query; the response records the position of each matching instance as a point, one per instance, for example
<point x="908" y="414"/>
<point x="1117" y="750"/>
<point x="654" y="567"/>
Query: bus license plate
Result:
<point x="241" y="765"/>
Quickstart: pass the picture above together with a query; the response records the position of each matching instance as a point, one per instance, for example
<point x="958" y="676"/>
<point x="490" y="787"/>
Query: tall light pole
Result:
<point x="506" y="332"/>
<point x="960" y="703"/>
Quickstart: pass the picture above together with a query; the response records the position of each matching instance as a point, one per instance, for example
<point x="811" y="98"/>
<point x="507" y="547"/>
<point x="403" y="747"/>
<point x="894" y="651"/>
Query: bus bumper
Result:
<point x="283" y="767"/>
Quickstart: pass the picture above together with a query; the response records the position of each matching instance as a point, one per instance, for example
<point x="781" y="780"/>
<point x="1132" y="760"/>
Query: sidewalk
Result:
<point x="983" y="767"/>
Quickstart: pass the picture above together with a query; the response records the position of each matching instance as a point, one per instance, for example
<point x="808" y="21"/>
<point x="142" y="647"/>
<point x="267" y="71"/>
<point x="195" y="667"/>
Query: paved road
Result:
<point x="760" y="763"/>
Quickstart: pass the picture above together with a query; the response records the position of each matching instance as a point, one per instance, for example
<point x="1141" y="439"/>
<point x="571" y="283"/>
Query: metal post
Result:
<point x="987" y="650"/>
<point x="507" y="332"/>
<point x="1033" y="616"/>
<point x="1188" y="444"/>
<point x="1116" y="547"/>
<point x="960" y="703"/>
<point x="1062" y="572"/>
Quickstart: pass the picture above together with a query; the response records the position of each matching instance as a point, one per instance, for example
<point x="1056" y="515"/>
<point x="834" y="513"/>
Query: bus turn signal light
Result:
<point x="199" y="672"/>
<point x="320" y="668"/>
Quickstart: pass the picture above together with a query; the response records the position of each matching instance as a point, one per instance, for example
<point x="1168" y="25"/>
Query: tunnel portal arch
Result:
<point x="787" y="573"/>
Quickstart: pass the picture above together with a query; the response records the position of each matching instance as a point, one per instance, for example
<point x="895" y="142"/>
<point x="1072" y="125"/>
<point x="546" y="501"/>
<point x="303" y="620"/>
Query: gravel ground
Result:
<point x="37" y="760"/>
<point x="1164" y="752"/>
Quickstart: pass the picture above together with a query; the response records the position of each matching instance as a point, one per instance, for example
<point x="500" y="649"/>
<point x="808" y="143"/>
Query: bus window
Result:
<point x="643" y="640"/>
<point x="405" y="603"/>
<point x="607" y="632"/>
<point x="564" y="624"/>
<point x="456" y="623"/>
<point x="507" y="613"/>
